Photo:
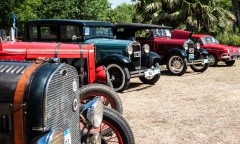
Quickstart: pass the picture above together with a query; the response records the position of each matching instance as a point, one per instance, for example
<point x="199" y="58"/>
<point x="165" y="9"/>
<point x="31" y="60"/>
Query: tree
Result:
<point x="194" y="15"/>
<point x="122" y="13"/>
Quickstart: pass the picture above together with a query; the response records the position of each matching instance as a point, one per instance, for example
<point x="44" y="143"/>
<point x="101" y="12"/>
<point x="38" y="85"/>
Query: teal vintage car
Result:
<point x="124" y="59"/>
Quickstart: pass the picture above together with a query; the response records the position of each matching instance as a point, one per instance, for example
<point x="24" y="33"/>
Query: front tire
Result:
<point x="115" y="128"/>
<point x="151" y="80"/>
<point x="200" y="67"/>
<point x="230" y="63"/>
<point x="213" y="60"/>
<point x="120" y="76"/>
<point x="176" y="65"/>
<point x="108" y="96"/>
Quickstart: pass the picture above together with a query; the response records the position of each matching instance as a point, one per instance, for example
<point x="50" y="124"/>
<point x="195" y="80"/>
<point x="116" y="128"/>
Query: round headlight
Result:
<point x="129" y="49"/>
<point x="146" y="48"/>
<point x="57" y="137"/>
<point x="197" y="45"/>
<point x="93" y="112"/>
<point x="228" y="50"/>
<point x="185" y="46"/>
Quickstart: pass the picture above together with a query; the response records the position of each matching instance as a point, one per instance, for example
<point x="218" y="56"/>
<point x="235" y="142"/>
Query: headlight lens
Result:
<point x="185" y="46"/>
<point x="228" y="50"/>
<point x="146" y="48"/>
<point x="197" y="45"/>
<point x="93" y="112"/>
<point x="57" y="137"/>
<point x="129" y="49"/>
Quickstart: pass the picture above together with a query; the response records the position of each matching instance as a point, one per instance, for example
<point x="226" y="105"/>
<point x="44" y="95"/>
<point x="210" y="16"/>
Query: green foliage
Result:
<point x="122" y="13"/>
<point x="198" y="16"/>
<point x="229" y="39"/>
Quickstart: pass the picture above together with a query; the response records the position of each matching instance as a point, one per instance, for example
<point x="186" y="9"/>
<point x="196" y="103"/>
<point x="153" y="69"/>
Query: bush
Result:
<point x="229" y="39"/>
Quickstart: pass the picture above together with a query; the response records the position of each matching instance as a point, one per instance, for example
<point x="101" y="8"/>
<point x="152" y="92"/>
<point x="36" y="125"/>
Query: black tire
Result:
<point x="117" y="127"/>
<point x="213" y="60"/>
<point x="230" y="63"/>
<point x="176" y="65"/>
<point x="119" y="75"/>
<point x="200" y="67"/>
<point x="107" y="95"/>
<point x="153" y="79"/>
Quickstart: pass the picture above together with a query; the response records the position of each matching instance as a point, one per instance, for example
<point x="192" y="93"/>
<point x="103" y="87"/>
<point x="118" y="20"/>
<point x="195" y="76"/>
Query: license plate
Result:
<point x="205" y="60"/>
<point x="151" y="72"/>
<point x="137" y="54"/>
<point x="67" y="136"/>
<point x="191" y="56"/>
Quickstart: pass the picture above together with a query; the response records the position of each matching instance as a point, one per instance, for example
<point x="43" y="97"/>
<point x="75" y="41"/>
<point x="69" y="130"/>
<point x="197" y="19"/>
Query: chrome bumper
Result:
<point x="145" y="72"/>
<point x="193" y="62"/>
<point x="232" y="56"/>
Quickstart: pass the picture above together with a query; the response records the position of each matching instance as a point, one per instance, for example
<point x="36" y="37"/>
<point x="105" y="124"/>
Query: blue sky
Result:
<point x="115" y="3"/>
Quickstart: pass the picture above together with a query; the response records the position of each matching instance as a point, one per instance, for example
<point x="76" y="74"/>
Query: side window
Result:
<point x="68" y="31"/>
<point x="32" y="32"/>
<point x="143" y="34"/>
<point x="48" y="32"/>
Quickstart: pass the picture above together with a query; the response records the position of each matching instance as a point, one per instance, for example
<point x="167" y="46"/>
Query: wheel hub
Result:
<point x="177" y="64"/>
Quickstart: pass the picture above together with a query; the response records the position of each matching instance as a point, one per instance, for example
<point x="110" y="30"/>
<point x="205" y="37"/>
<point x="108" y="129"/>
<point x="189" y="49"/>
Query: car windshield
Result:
<point x="162" y="32"/>
<point x="97" y="32"/>
<point x="209" y="40"/>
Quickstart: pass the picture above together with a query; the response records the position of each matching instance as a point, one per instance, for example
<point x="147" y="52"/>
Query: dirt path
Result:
<point x="193" y="108"/>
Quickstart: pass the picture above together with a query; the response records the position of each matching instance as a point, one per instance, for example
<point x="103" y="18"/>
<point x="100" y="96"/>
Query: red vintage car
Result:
<point x="217" y="52"/>
<point x="81" y="56"/>
<point x="175" y="47"/>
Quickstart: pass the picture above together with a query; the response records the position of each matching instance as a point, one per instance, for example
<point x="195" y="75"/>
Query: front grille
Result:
<point x="136" y="57"/>
<point x="59" y="102"/>
<point x="190" y="45"/>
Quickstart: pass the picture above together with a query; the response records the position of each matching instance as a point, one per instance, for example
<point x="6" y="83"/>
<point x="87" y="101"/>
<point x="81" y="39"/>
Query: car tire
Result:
<point x="200" y="67"/>
<point x="213" y="60"/>
<point x="176" y="65"/>
<point x="106" y="94"/>
<point x="153" y="79"/>
<point x="230" y="63"/>
<point x="119" y="75"/>
<point x="118" y="126"/>
<point x="113" y="129"/>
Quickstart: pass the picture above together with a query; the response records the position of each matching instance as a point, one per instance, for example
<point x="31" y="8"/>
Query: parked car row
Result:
<point x="90" y="61"/>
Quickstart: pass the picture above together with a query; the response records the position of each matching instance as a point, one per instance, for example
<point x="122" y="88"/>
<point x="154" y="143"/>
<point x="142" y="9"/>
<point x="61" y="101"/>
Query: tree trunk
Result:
<point x="236" y="12"/>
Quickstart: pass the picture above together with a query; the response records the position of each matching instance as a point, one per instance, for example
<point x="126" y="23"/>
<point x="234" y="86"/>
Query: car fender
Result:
<point x="204" y="52"/>
<point x="148" y="59"/>
<point x="176" y="51"/>
<point x="115" y="58"/>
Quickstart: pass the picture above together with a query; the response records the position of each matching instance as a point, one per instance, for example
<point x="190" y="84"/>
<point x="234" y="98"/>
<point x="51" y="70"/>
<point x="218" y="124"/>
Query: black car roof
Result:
<point x="138" y="26"/>
<point x="72" y="21"/>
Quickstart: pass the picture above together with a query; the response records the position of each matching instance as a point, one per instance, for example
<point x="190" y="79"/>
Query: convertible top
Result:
<point x="137" y="26"/>
<point x="89" y="23"/>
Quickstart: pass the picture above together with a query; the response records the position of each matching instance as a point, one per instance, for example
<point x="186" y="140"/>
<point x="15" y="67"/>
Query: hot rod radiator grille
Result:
<point x="59" y="102"/>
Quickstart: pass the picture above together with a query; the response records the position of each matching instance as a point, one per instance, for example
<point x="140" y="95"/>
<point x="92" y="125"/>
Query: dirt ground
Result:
<point x="193" y="108"/>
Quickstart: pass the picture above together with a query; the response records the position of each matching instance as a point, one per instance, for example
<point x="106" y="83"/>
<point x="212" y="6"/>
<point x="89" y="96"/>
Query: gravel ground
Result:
<point x="193" y="108"/>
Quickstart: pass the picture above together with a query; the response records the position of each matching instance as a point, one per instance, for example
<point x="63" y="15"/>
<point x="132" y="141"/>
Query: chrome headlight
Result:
<point x="185" y="45"/>
<point x="93" y="112"/>
<point x="228" y="50"/>
<point x="146" y="48"/>
<point x="52" y="137"/>
<point x="197" y="45"/>
<point x="129" y="49"/>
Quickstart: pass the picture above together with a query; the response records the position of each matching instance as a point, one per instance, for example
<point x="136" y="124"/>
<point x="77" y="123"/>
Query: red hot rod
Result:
<point x="81" y="56"/>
